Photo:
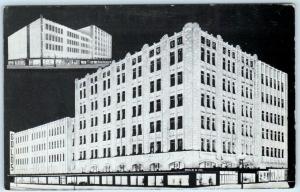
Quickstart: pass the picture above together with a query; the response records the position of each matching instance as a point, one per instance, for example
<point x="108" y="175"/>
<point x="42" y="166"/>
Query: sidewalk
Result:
<point x="274" y="185"/>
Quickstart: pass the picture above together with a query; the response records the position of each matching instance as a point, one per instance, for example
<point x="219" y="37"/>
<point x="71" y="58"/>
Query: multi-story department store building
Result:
<point x="188" y="110"/>
<point x="47" y="43"/>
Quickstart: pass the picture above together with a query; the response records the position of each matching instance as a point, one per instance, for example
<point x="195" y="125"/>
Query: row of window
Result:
<point x="230" y="65"/>
<point x="228" y="52"/>
<point x="246" y="92"/>
<point x="173" y="55"/>
<point x="108" y="84"/>
<point x="179" y="101"/>
<point x="228" y="147"/>
<point x="209" y="103"/>
<point x="137" y="91"/>
<point x="94" y="105"/>
<point x="21" y="150"/>
<point x="54" y="28"/>
<point x="247" y="149"/>
<point x="107" y="101"/>
<point x="54" y="47"/>
<point x="119" y="78"/>
<point x="210" y="80"/>
<point x="152" y="85"/>
<point x="245" y="73"/>
<point x="55" y="38"/>
<point x="94" y="88"/>
<point x="207" y="57"/>
<point x="57" y="158"/>
<point x="82" y="109"/>
<point x="108" y="119"/>
<point x="136" y="72"/>
<point x="137" y="110"/>
<point x="137" y="130"/>
<point x="209" y="43"/>
<point x="271" y="82"/>
<point x="118" y="68"/>
<point x="208" y="145"/>
<point x="230" y="127"/>
<point x="120" y="97"/>
<point x="82" y="94"/>
<point x="230" y="107"/>
<point x="56" y="131"/>
<point x="247" y="61"/>
<point x="24" y="138"/>
<point x="210" y="123"/>
<point x="230" y="86"/>
<point x="158" y="65"/>
<point x="72" y="49"/>
<point x="272" y="118"/>
<point x="40" y="147"/>
<point x="179" y="42"/>
<point x="21" y="161"/>
<point x="272" y="152"/>
<point x="73" y="35"/>
<point x="247" y="130"/>
<point x="272" y="135"/>
<point x="82" y="124"/>
<point x="155" y="108"/>
<point x="246" y="111"/>
<point x="172" y="123"/>
<point x="138" y="59"/>
<point x="272" y="100"/>
<point x="53" y="145"/>
<point x="72" y="42"/>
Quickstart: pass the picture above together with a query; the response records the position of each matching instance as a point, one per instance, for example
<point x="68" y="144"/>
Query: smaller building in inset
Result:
<point x="44" y="43"/>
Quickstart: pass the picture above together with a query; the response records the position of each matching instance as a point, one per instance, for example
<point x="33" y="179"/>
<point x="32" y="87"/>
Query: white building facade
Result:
<point x="43" y="149"/>
<point x="189" y="101"/>
<point x="47" y="43"/>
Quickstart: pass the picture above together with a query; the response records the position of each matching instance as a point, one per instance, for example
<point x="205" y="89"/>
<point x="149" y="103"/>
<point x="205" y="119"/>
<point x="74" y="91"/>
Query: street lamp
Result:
<point x="241" y="165"/>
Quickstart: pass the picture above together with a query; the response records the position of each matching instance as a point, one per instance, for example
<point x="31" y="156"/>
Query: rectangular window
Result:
<point x="158" y="84"/>
<point x="134" y="92"/>
<point x="158" y="105"/>
<point x="140" y="148"/>
<point x="151" y="66"/>
<point x="139" y="110"/>
<point x="158" y="64"/>
<point x="172" y="145"/>
<point x="151" y="86"/>
<point x="139" y="90"/>
<point x="179" y="78"/>
<point x="172" y="123"/>
<point x="140" y="71"/>
<point x="172" y="102"/>
<point x="179" y="122"/>
<point x="158" y="126"/>
<point x="151" y="106"/>
<point x="202" y="77"/>
<point x="179" y="55"/>
<point x="158" y="146"/>
<point x="202" y="54"/>
<point x="172" y="58"/>
<point x="180" y="145"/>
<point x="140" y="132"/>
<point x="179" y="100"/>
<point x="134" y="130"/>
<point x="172" y="80"/>
<point x="151" y="127"/>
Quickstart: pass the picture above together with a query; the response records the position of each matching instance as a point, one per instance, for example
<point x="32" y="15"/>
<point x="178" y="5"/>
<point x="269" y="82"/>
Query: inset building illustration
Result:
<point x="44" y="43"/>
<point x="189" y="110"/>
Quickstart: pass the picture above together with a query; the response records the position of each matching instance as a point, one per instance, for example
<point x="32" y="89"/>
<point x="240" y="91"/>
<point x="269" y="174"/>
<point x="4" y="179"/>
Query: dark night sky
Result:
<point x="33" y="97"/>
